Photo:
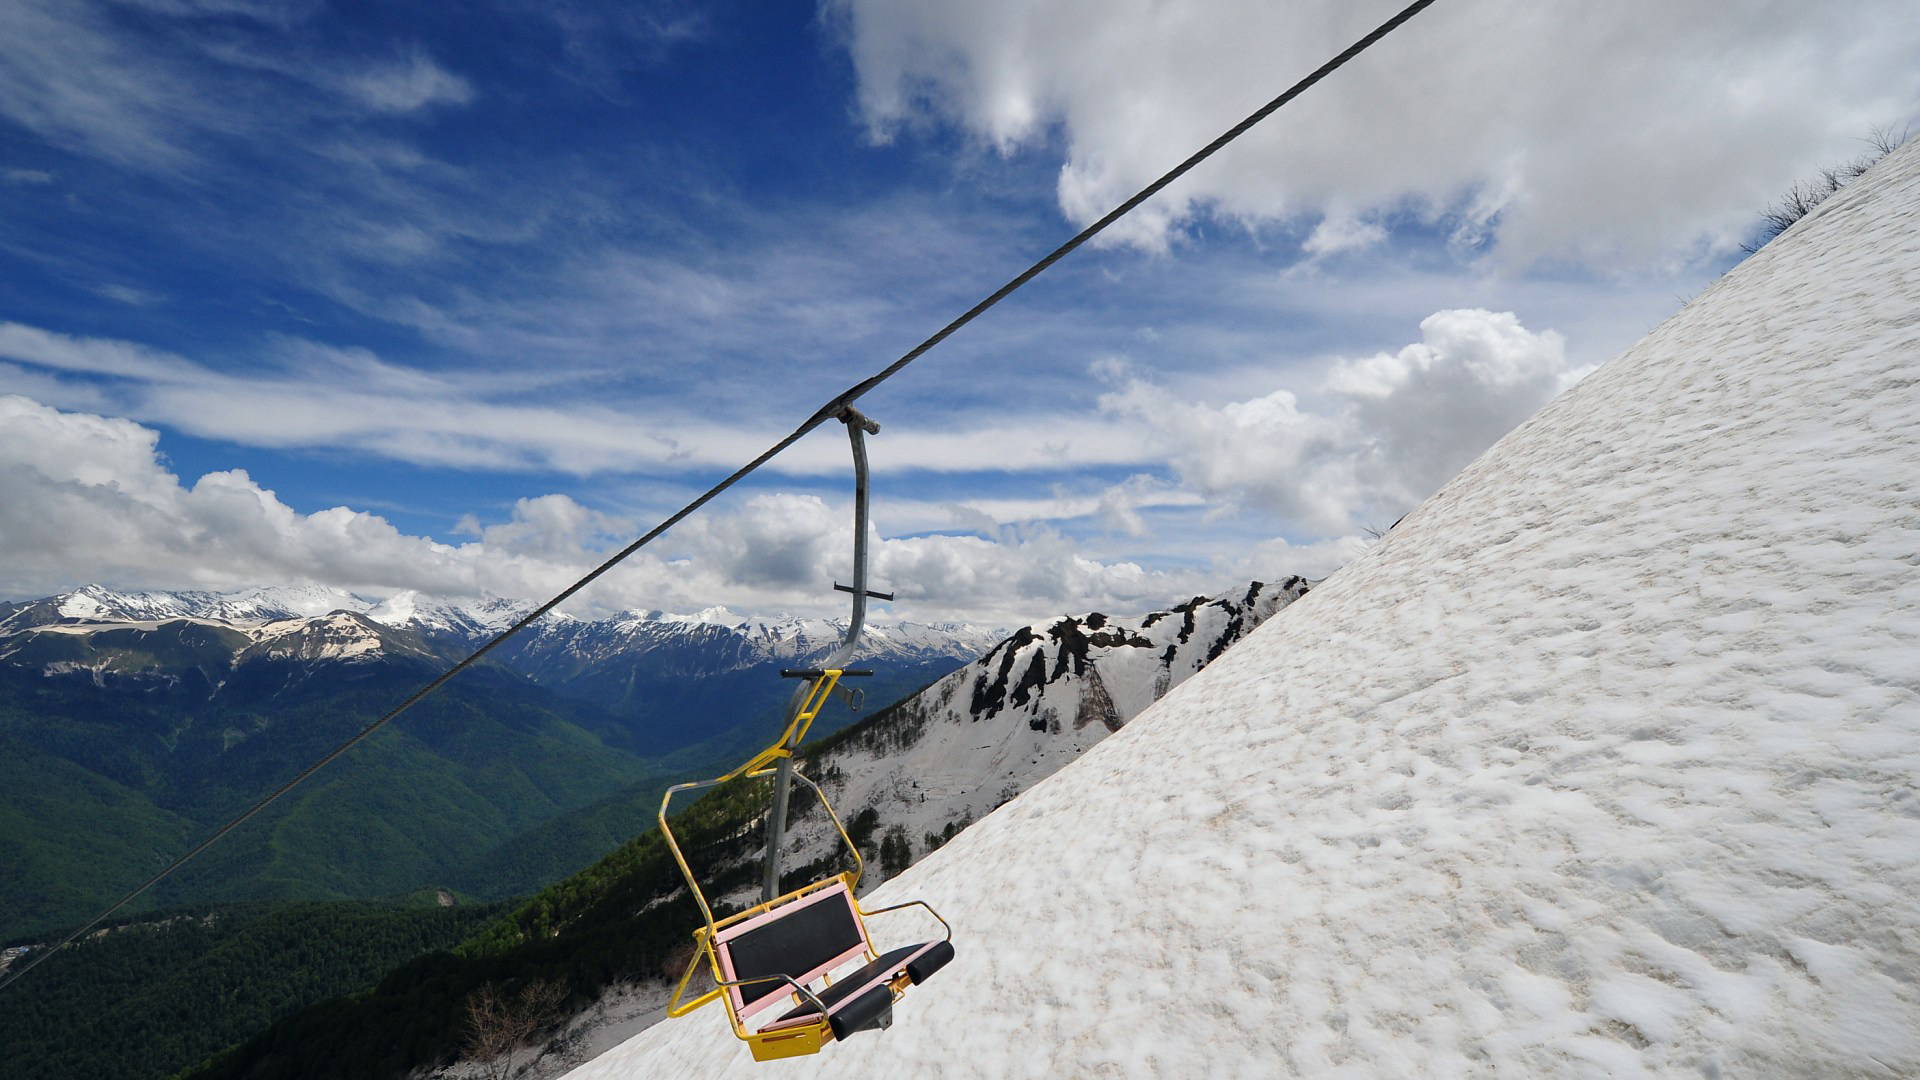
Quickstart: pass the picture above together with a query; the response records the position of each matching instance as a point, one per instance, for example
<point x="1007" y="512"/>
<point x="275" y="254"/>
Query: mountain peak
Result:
<point x="481" y="615"/>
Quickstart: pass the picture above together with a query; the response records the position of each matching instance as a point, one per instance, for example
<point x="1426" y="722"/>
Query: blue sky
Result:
<point x="455" y="298"/>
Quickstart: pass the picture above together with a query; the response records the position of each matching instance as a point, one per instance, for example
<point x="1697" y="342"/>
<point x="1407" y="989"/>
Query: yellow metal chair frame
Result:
<point x="786" y="1041"/>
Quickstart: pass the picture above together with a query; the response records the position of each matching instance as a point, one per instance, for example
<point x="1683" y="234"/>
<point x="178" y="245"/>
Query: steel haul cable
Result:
<point x="826" y="412"/>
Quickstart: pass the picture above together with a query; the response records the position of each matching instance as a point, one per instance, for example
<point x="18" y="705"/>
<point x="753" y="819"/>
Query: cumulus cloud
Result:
<point x="1427" y="410"/>
<point x="1338" y="232"/>
<point x="1382" y="433"/>
<point x="90" y="499"/>
<point x="1616" y="133"/>
<point x="1319" y="461"/>
<point x="786" y="550"/>
<point x="1312" y="560"/>
<point x="1023" y="574"/>
<point x="1265" y="452"/>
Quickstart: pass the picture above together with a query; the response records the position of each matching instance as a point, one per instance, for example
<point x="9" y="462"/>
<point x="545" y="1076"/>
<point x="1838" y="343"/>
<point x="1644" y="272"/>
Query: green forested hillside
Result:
<point x="104" y="786"/>
<point x="582" y="932"/>
<point x="69" y="836"/>
<point x="149" y="999"/>
<point x="493" y="787"/>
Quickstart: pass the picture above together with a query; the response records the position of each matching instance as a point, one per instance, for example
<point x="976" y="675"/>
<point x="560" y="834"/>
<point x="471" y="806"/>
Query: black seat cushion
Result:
<point x="879" y="971"/>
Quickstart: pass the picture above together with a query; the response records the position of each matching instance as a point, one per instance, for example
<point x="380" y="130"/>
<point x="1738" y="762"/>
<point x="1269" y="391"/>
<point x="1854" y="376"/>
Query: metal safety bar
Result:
<point x="752" y="770"/>
<point x="859" y="427"/>
<point x="677" y="1009"/>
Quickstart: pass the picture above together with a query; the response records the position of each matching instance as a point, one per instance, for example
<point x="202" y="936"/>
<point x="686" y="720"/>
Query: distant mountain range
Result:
<point x="558" y="642"/>
<point x="674" y="680"/>
<point x="130" y="723"/>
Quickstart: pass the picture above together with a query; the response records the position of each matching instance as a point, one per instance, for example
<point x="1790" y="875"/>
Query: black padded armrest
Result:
<point x="922" y="967"/>
<point x="873" y="1009"/>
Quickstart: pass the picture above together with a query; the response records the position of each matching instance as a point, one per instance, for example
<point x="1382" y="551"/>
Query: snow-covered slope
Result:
<point x="342" y="635"/>
<point x="1603" y="763"/>
<point x="1034" y="703"/>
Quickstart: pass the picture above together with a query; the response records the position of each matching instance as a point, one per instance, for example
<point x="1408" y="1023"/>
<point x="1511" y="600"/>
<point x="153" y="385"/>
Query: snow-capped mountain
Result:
<point x="580" y="642"/>
<point x="905" y="780"/>
<point x="93" y="603"/>
<point x="281" y="602"/>
<point x="470" y="622"/>
<point x="340" y="636"/>
<point x="1602" y="763"/>
<point x="474" y="620"/>
<point x="677" y="679"/>
<point x="717" y="639"/>
<point x="97" y="604"/>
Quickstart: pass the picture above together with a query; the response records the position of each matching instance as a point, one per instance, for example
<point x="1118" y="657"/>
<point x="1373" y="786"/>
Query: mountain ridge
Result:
<point x="679" y="680"/>
<point x="470" y="619"/>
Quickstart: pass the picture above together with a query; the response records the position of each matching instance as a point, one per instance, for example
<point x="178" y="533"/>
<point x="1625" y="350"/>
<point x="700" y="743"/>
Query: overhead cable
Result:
<point x="831" y="410"/>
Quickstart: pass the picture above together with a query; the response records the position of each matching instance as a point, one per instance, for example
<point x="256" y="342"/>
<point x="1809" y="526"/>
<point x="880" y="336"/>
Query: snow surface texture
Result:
<point x="1603" y="762"/>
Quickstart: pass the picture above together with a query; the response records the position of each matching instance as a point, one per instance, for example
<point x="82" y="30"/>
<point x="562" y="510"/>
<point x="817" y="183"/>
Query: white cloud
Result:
<point x="1324" y="457"/>
<point x="93" y="356"/>
<point x="306" y="394"/>
<point x="1429" y="409"/>
<point x="407" y="85"/>
<point x="1382" y="433"/>
<point x="90" y="499"/>
<point x="1314" y="561"/>
<point x="1338" y="232"/>
<point x="787" y="550"/>
<point x="68" y="77"/>
<point x="127" y="294"/>
<point x="1617" y="133"/>
<point x="1023" y="574"/>
<point x="140" y="93"/>
<point x="26" y="177"/>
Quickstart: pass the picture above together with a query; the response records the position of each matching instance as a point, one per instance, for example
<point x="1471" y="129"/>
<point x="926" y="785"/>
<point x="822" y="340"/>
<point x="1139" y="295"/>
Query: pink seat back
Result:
<point x="803" y="939"/>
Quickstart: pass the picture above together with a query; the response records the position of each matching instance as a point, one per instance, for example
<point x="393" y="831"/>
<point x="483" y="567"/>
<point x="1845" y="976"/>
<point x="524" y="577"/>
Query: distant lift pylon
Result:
<point x="799" y="969"/>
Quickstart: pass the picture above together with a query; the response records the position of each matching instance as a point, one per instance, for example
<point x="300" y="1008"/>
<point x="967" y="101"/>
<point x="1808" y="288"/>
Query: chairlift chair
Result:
<point x="793" y="949"/>
<point x="787" y="951"/>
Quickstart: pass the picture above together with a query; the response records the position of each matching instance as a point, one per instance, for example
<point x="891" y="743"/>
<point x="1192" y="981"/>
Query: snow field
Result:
<point x="1603" y="763"/>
